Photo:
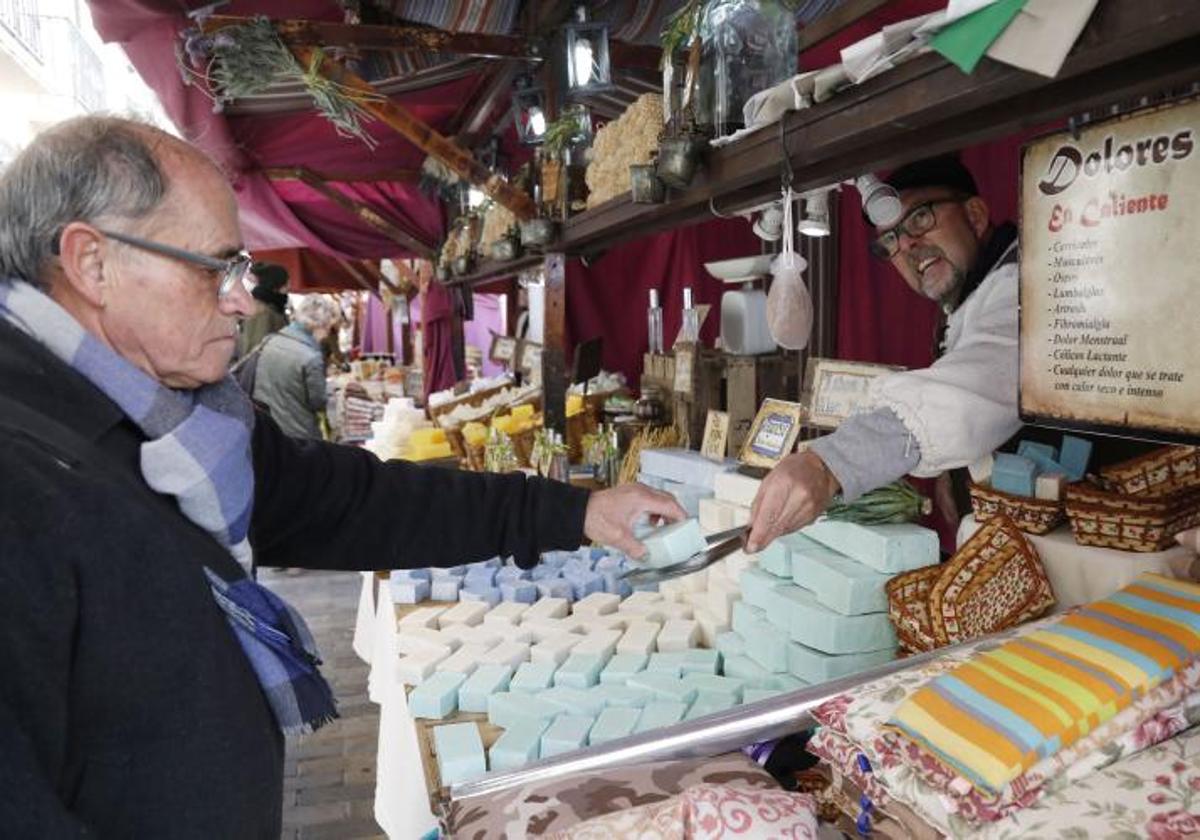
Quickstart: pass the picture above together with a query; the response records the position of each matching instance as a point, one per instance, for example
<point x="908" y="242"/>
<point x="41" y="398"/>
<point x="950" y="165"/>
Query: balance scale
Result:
<point x="744" y="330"/>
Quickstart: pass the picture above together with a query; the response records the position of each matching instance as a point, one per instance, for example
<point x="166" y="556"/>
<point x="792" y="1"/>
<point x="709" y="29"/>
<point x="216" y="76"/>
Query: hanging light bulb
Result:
<point x="880" y="201"/>
<point x="581" y="55"/>
<point x="816" y="215"/>
<point x="537" y="122"/>
<point x="529" y="111"/>
<point x="588" y="67"/>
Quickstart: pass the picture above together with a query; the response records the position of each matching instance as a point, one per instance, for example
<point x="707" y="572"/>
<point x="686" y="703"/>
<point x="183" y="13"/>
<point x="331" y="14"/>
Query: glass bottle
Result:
<point x="654" y="320"/>
<point x="689" y="332"/>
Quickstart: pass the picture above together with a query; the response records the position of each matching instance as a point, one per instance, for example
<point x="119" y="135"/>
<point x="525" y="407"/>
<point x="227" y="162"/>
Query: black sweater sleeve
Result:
<point x="325" y="506"/>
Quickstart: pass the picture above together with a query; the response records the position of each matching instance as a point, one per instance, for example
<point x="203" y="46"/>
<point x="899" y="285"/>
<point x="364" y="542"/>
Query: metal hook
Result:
<point x="788" y="174"/>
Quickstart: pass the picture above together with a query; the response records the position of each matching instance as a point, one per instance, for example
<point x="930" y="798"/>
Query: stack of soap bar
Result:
<point x="512" y="709"/>
<point x="813" y="666"/>
<point x="459" y="752"/>
<point x="486" y="681"/>
<point x="775" y="559"/>
<point x="423" y="617"/>
<point x="414" y="669"/>
<point x="517" y="746"/>
<point x="599" y="643"/>
<point x="568" y="732"/>
<point x="409" y="589"/>
<point x="736" y="489"/>
<point x="701" y="708"/>
<point x="422" y="641"/>
<point x="806" y="621"/>
<point x="533" y="677"/>
<point x="1076" y="452"/>
<point x="558" y="588"/>
<point x="757" y="586"/>
<point x="842" y="584"/>
<point x="674" y="543"/>
<point x="660" y="713"/>
<point x="519" y="592"/>
<point x="765" y="644"/>
<point x="885" y="548"/>
<point x="437" y="696"/>
<point x="614" y="722"/>
<point x="623" y="666"/>
<point x="580" y="670"/>
<point x="684" y="466"/>
<point x="749" y="672"/>
<point x="1014" y="474"/>
<point x="711" y="626"/>
<point x="457" y="635"/>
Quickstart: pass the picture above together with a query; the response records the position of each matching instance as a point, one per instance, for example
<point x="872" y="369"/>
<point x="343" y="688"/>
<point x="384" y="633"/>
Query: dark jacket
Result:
<point x="290" y="381"/>
<point x="127" y="708"/>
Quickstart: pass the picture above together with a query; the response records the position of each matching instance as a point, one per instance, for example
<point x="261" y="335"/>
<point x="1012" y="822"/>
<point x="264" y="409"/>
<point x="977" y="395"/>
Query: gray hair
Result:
<point x="314" y="312"/>
<point x="91" y="169"/>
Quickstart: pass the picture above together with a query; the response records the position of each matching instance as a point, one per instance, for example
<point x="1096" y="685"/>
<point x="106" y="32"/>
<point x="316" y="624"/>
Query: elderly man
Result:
<point x="948" y="415"/>
<point x="147" y="682"/>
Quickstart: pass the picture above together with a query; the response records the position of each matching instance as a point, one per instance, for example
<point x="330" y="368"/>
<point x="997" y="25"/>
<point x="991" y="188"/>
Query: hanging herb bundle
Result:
<point x="892" y="503"/>
<point x="543" y="451"/>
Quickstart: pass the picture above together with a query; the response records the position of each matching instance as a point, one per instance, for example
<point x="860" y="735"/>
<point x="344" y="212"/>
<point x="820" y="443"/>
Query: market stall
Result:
<point x="671" y="231"/>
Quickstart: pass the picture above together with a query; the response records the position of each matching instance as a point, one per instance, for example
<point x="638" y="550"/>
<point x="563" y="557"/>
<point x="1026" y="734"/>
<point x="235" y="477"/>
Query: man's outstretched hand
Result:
<point x="792" y="495"/>
<point x="611" y="515"/>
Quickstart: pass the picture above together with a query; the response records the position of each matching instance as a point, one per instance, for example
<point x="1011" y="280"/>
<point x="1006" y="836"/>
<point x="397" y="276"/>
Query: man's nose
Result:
<point x="237" y="303"/>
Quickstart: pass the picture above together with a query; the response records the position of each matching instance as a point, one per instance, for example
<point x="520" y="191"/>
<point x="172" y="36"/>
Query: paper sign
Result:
<point x="838" y="390"/>
<point x="716" y="436"/>
<point x="684" y="365"/>
<point x="773" y="435"/>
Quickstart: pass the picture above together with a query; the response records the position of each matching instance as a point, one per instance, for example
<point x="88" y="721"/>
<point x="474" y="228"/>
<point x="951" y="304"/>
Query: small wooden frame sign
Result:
<point x="836" y="390"/>
<point x="685" y="366"/>
<point x="716" y="436"/>
<point x="504" y="348"/>
<point x="773" y="435"/>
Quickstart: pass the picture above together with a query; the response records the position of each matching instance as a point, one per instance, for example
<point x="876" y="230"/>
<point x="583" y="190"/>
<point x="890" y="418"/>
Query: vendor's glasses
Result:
<point x="232" y="271"/>
<point x="917" y="222"/>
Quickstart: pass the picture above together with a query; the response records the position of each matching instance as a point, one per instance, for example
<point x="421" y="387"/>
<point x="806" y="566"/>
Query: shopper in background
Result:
<point x="290" y="379"/>
<point x="146" y="683"/>
<point x="270" y="311"/>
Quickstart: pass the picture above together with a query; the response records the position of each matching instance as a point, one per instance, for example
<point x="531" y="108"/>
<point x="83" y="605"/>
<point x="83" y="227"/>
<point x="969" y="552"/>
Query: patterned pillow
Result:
<point x="908" y="608"/>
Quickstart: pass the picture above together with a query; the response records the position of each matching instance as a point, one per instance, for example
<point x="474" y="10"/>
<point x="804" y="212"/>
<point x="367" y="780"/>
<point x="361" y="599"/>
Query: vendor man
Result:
<point x="146" y="683"/>
<point x="950" y="414"/>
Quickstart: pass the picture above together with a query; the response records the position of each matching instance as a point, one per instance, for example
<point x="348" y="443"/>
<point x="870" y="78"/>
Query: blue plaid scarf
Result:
<point x="198" y="450"/>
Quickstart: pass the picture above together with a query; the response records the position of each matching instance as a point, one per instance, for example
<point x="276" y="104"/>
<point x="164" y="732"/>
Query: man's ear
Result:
<point x="81" y="253"/>
<point x="979" y="216"/>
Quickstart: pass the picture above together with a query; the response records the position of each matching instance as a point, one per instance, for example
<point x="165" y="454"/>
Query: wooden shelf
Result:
<point x="489" y="270"/>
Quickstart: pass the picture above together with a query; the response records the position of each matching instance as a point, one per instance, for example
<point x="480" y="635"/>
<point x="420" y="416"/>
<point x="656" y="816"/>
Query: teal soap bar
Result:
<point x="701" y="708"/>
<point x="622" y="695"/>
<point x="532" y="677"/>
<point x="810" y="623"/>
<point x="613" y="723"/>
<point x="749" y="672"/>
<point x="460" y="753"/>
<point x="573" y="701"/>
<point x="518" y="746"/>
<point x="623" y="666"/>
<point x="731" y="643"/>
<point x="701" y="661"/>
<point x="756" y="586"/>
<point x="1015" y="474"/>
<point x="437" y="696"/>
<point x="812" y="666"/>
<point x="786" y="682"/>
<point x="765" y="644"/>
<point x="774" y="559"/>
<point x="581" y="670"/>
<point x="511" y="709"/>
<point x="670" y="662"/>
<point x="885" y="548"/>
<point x="664" y="687"/>
<point x="753" y="695"/>
<point x="1074" y="457"/>
<point x="713" y="689"/>
<point x="568" y="732"/>
<point x="844" y="585"/>
<point x="486" y="681"/>
<point x="659" y="714"/>
<point x="674" y="543"/>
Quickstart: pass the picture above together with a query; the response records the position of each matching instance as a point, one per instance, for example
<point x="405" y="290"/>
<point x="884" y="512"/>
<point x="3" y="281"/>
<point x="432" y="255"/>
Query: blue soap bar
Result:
<point x="510" y="709"/>
<point x="573" y="701"/>
<point x="842" y="584"/>
<point x="813" y="666"/>
<point x="459" y="752"/>
<point x="445" y="588"/>
<point x="584" y="585"/>
<point x="614" y="722"/>
<point x="765" y="644"/>
<point x="581" y="670"/>
<point x="701" y="661"/>
<point x="1037" y="451"/>
<point x="556" y="588"/>
<point x="623" y="666"/>
<point x="577" y="566"/>
<point x="511" y="574"/>
<point x="749" y="672"/>
<point x="1076" y="452"/>
<point x="480" y="577"/>
<point x="411" y="574"/>
<point x="533" y="677"/>
<point x="555" y="559"/>
<point x="807" y="621"/>
<point x="448" y="571"/>
<point x="609" y="562"/>
<point x="520" y="592"/>
<point x="1014" y="474"/>
<point x="670" y="662"/>
<point x="491" y="562"/>
<point x="615" y="584"/>
<point x="663" y="686"/>
<point x="437" y="696"/>
<point x="756" y="586"/>
<point x="517" y="746"/>
<point x="713" y="689"/>
<point x="568" y="732"/>
<point x="622" y="695"/>
<point x="885" y="548"/>
<point x="674" y="543"/>
<point x="775" y="559"/>
<point x="731" y="643"/>
<point x="408" y="591"/>
<point x="660" y="713"/>
<point x="489" y="596"/>
<point x="544" y="571"/>
<point x="486" y="681"/>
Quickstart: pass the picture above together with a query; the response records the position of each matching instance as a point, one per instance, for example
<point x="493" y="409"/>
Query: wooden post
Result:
<point x="554" y="357"/>
<point x="420" y="134"/>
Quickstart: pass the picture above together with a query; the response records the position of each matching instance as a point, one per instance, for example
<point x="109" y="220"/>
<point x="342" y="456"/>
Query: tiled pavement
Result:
<point x="329" y="777"/>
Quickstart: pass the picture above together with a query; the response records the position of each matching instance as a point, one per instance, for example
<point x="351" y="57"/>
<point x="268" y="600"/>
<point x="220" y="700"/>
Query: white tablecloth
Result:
<point x="1080" y="574"/>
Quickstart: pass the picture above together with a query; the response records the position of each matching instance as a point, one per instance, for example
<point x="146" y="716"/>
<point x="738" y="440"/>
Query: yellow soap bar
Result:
<point x="427" y="437"/>
<point x="574" y="404"/>
<point x="523" y="412"/>
<point x="475" y="434"/>
<point x="429" y="452"/>
<point x="505" y="424"/>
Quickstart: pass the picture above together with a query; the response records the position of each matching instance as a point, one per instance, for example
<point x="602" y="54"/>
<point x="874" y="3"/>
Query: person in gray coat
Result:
<point x="290" y="379"/>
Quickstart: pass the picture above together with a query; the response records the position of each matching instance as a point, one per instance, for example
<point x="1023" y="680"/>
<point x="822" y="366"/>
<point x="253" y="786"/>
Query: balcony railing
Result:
<point x="20" y="18"/>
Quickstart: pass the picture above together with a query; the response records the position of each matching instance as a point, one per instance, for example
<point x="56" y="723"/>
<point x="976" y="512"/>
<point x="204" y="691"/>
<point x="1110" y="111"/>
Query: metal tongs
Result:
<point x="720" y="546"/>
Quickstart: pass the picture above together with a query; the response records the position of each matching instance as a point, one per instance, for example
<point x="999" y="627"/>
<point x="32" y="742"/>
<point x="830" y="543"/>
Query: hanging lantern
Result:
<point x="529" y="111"/>
<point x="588" y="68"/>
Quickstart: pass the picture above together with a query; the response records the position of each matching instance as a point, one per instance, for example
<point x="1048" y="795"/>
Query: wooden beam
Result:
<point x="384" y="176"/>
<point x="831" y="23"/>
<point x="367" y="214"/>
<point x="356" y="277"/>
<point x="499" y="87"/>
<point x="372" y="271"/>
<point x="421" y="135"/>
<point x="554" y="341"/>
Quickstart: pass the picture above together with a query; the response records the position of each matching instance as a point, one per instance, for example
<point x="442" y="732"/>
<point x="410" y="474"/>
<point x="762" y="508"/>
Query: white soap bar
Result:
<point x="547" y="608"/>
<point x="674" y="543"/>
<point x="414" y="669"/>
<point x="736" y="489"/>
<point x="415" y="644"/>
<point x="602" y="643"/>
<point x="1049" y="486"/>
<point x="695" y="582"/>
<point x="711" y="626"/>
<point x="481" y="634"/>
<point x="511" y="654"/>
<point x="719" y="600"/>
<point x="457" y="635"/>
<point x="423" y="617"/>
<point x="640" y="600"/>
<point x="639" y="638"/>
<point x="684" y="466"/>
<point x="677" y="611"/>
<point x="678" y="634"/>
<point x="739" y="562"/>
<point x="714" y="515"/>
<point x="981" y="470"/>
<point x="549" y="628"/>
<point x="598" y="603"/>
<point x="554" y="650"/>
<point x="507" y="613"/>
<point x="463" y="661"/>
<point x="464" y="612"/>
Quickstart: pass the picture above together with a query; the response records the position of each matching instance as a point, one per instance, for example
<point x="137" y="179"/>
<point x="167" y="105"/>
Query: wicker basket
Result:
<point x="1161" y="472"/>
<point x="1033" y="516"/>
<point x="1130" y="522"/>
<point x="522" y="443"/>
<point x="454" y="437"/>
<point x="475" y="457"/>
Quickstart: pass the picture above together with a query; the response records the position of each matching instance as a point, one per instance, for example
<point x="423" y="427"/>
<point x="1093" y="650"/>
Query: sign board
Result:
<point x="1109" y="258"/>
<point x="716" y="436"/>
<point x="685" y="357"/>
<point x="503" y="348"/>
<point x="836" y="389"/>
<point x="773" y="435"/>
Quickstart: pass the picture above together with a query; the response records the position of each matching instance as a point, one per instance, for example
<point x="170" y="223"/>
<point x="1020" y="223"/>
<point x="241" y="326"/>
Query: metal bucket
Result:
<point x="537" y="232"/>
<point x="678" y="159"/>
<point x="645" y="185"/>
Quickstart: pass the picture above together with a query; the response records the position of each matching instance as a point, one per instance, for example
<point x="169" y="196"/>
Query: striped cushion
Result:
<point x="995" y="716"/>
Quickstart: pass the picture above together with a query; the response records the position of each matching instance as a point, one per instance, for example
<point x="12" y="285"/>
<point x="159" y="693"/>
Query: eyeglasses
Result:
<point x="233" y="270"/>
<point x="917" y="222"/>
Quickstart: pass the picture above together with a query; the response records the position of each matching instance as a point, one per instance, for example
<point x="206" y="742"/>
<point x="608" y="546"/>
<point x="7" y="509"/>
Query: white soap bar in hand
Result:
<point x="674" y="543"/>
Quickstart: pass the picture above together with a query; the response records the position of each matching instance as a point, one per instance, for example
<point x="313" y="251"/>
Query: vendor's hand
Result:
<point x="792" y="495"/>
<point x="612" y="513"/>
